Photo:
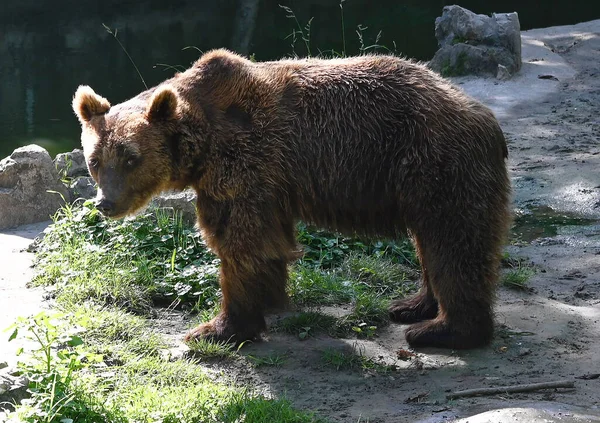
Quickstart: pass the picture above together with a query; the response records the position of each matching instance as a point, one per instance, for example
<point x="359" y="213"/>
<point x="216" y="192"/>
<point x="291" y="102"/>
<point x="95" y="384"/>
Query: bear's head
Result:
<point x="127" y="146"/>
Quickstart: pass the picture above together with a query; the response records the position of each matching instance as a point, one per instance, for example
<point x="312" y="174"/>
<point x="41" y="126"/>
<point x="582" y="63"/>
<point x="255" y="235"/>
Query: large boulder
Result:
<point x="26" y="177"/>
<point x="477" y="44"/>
<point x="71" y="164"/>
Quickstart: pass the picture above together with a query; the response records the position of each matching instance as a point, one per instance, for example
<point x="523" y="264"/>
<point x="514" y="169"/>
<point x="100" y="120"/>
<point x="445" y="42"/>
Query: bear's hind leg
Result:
<point x="462" y="276"/>
<point x="421" y="306"/>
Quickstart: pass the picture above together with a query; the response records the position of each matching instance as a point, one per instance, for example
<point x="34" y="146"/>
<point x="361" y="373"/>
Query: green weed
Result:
<point x="205" y="348"/>
<point x="518" y="278"/>
<point x="309" y="286"/>
<point x="272" y="360"/>
<point x="352" y="360"/>
<point x="51" y="366"/>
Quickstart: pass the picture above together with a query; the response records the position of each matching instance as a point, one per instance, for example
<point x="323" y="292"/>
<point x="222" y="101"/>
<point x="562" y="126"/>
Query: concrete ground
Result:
<point x="15" y="272"/>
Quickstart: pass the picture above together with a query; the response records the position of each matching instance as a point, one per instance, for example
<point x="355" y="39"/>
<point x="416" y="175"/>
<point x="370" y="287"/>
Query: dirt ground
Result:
<point x="547" y="333"/>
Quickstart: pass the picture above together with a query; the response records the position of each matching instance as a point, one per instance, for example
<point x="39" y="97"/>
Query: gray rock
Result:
<point x="476" y="44"/>
<point x="184" y="201"/>
<point x="26" y="176"/>
<point x="502" y="73"/>
<point x="82" y="187"/>
<point x="509" y="33"/>
<point x="71" y="164"/>
<point x="13" y="389"/>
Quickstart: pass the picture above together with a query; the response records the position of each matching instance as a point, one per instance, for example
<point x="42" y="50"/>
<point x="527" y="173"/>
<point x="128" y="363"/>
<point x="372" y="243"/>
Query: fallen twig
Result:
<point x="511" y="389"/>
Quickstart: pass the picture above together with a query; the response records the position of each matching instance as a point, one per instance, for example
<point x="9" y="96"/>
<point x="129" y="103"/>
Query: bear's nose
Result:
<point x="105" y="206"/>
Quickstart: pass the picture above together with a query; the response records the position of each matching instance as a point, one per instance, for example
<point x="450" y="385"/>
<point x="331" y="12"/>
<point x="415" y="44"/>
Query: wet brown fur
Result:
<point x="374" y="145"/>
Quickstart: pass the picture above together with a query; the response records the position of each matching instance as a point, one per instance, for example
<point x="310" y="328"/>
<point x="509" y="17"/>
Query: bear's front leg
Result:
<point x="247" y="293"/>
<point x="254" y="238"/>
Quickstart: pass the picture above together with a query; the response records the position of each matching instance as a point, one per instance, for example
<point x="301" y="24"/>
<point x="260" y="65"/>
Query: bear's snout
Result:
<point x="104" y="206"/>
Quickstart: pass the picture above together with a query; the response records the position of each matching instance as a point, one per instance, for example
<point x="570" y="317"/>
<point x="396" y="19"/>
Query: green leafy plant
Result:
<point x="326" y="249"/>
<point x="50" y="366"/>
<point x="152" y="259"/>
<point x="364" y="330"/>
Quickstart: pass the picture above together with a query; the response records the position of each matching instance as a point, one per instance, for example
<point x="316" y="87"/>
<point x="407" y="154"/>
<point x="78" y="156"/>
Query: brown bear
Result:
<point x="374" y="145"/>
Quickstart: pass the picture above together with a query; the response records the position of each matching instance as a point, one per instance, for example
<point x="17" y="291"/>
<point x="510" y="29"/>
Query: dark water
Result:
<point x="543" y="221"/>
<point x="48" y="48"/>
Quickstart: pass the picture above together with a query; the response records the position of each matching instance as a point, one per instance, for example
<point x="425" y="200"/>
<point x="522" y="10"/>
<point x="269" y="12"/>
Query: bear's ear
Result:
<point x="87" y="104"/>
<point x="162" y="105"/>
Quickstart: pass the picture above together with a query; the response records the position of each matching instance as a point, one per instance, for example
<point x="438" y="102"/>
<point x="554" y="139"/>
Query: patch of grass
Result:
<point x="371" y="309"/>
<point x="369" y="312"/>
<point x="303" y="33"/>
<point x="118" y="332"/>
<point x="245" y="408"/>
<point x="272" y="360"/>
<point x="134" y="264"/>
<point x="380" y="276"/>
<point x="307" y="324"/>
<point x="368" y="282"/>
<point x="325" y="249"/>
<point x="340" y="360"/>
<point x="211" y="349"/>
<point x="309" y="286"/>
<point x="518" y="278"/>
<point x="352" y="360"/>
<point x="70" y="381"/>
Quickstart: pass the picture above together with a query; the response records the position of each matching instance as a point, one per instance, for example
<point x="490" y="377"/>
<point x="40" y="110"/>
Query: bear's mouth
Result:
<point x="113" y="214"/>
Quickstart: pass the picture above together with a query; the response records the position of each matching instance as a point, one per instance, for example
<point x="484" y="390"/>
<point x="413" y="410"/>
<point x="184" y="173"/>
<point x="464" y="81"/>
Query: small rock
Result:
<point x="524" y="351"/>
<point x="184" y="202"/>
<point x="71" y="164"/>
<point x="13" y="389"/>
<point x="82" y="187"/>
<point x="503" y="73"/>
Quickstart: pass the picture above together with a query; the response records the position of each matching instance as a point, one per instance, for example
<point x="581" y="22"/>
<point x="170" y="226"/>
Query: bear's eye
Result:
<point x="132" y="161"/>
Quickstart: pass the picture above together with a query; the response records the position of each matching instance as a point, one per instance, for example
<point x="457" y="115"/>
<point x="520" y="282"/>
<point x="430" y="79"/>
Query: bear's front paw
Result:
<point x="224" y="328"/>
<point x="441" y="334"/>
<point x="204" y="331"/>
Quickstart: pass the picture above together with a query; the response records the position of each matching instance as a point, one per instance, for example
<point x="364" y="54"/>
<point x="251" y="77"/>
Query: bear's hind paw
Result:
<point x="439" y="333"/>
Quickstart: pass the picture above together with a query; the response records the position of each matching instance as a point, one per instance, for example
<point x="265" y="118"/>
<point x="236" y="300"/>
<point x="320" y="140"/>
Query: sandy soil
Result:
<point x="547" y="333"/>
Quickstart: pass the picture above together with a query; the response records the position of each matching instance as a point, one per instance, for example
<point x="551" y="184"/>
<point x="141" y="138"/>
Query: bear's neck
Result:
<point x="188" y="156"/>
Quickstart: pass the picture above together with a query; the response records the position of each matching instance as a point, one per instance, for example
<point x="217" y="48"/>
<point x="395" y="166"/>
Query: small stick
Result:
<point x="511" y="389"/>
